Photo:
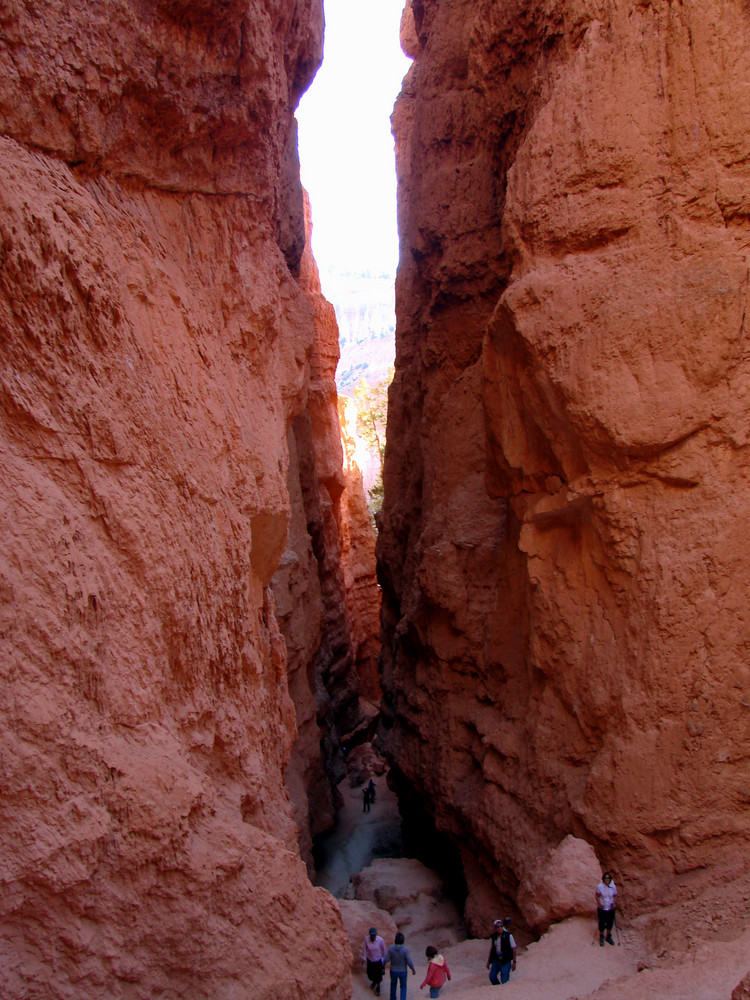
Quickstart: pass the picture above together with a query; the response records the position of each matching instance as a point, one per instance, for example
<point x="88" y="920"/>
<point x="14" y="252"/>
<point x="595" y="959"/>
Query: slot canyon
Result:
<point x="548" y="646"/>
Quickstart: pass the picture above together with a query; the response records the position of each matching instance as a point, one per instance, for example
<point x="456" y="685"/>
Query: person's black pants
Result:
<point x="374" y="972"/>
<point x="606" y="920"/>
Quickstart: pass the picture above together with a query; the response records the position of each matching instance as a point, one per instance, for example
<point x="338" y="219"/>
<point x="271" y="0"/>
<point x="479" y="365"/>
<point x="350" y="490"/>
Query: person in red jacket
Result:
<point x="437" y="972"/>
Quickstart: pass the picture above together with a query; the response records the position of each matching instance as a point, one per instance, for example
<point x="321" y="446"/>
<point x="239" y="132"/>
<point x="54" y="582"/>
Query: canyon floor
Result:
<point x="565" y="964"/>
<point x="358" y="837"/>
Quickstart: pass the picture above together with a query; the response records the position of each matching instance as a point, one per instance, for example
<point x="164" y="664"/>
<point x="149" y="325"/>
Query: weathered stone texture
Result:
<point x="358" y="561"/>
<point x="327" y="598"/>
<point x="564" y="567"/>
<point x="154" y="353"/>
<point x="742" y="990"/>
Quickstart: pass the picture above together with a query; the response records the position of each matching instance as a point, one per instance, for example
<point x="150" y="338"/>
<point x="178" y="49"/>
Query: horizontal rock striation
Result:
<point x="155" y="352"/>
<point x="563" y="560"/>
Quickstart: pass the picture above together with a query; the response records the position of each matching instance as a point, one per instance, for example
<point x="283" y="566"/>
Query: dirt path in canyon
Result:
<point x="358" y="837"/>
<point x="566" y="964"/>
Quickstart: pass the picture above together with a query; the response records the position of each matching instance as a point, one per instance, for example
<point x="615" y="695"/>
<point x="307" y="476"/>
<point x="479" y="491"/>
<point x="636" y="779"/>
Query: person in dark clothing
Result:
<point x="399" y="958"/>
<point x="371" y="790"/>
<point x="502" y="957"/>
<point x="365" y="799"/>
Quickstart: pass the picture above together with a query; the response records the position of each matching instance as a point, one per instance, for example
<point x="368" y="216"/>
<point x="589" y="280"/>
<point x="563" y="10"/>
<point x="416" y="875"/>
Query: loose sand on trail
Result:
<point x="565" y="964"/>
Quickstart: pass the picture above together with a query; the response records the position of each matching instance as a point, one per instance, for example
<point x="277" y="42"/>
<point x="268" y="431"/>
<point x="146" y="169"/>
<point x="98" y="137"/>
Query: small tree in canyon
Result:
<point x="372" y="411"/>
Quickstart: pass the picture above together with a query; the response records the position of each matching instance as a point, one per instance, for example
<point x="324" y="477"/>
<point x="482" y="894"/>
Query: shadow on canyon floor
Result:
<point x="358" y="837"/>
<point x="564" y="964"/>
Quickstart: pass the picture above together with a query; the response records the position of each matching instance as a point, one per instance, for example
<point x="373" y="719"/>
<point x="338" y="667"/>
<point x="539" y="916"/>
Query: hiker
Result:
<point x="605" y="908"/>
<point x="437" y="971"/>
<point x="502" y="957"/>
<point x="399" y="958"/>
<point x="365" y="799"/>
<point x="373" y="956"/>
<point x="371" y="790"/>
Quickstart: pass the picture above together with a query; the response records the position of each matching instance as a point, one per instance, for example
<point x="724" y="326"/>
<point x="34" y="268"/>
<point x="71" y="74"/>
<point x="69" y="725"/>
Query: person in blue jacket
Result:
<point x="399" y="958"/>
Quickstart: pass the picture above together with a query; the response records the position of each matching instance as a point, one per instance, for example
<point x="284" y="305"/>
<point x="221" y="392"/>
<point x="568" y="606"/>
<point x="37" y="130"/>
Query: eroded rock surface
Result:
<point x="415" y="898"/>
<point x="564" y="567"/>
<point x="559" y="884"/>
<point x="325" y="587"/>
<point x="155" y="352"/>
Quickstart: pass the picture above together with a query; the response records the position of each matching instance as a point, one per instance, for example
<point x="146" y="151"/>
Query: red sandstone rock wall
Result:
<point x="154" y="352"/>
<point x="564" y="565"/>
<point x="358" y="561"/>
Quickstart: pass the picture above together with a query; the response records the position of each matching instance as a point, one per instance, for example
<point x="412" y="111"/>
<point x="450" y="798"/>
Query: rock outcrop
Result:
<point x="564" y="571"/>
<point x="155" y="354"/>
<point x="415" y="898"/>
<point x="558" y="885"/>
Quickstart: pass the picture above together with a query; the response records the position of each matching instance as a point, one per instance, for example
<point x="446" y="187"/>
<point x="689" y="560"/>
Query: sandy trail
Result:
<point x="565" y="964"/>
<point x="358" y="837"/>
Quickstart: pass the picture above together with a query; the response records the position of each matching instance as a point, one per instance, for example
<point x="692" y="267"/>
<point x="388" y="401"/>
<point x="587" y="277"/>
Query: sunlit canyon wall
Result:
<point x="565" y="564"/>
<point x="158" y="360"/>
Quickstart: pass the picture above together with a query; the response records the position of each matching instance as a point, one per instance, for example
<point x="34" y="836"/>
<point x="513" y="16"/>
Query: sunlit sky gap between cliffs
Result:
<point x="348" y="168"/>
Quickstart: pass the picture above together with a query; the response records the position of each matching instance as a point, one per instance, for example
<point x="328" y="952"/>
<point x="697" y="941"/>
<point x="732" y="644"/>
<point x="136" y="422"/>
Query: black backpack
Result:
<point x="503" y="948"/>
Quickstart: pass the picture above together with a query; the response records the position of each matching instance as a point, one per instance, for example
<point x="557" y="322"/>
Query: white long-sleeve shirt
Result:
<point x="605" y="896"/>
<point x="374" y="950"/>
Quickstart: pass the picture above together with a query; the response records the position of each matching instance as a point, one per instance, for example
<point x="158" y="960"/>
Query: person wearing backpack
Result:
<point x="437" y="972"/>
<point x="399" y="958"/>
<point x="502" y="957"/>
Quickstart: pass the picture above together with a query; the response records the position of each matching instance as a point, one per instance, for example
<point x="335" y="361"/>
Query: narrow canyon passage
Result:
<point x="358" y="837"/>
<point x="547" y="644"/>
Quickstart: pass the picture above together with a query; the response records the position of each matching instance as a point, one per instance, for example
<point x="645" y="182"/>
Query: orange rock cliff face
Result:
<point x="563" y="550"/>
<point x="157" y="364"/>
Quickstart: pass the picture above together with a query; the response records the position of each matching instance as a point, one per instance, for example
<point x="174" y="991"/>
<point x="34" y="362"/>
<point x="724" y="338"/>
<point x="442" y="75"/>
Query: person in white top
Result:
<point x="605" y="908"/>
<point x="373" y="956"/>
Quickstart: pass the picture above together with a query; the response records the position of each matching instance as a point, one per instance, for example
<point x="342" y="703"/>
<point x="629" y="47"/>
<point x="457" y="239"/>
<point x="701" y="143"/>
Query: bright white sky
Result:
<point x="345" y="142"/>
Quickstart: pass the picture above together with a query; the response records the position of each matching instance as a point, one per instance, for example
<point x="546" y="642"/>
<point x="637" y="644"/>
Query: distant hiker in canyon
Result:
<point x="373" y="956"/>
<point x="502" y="957"/>
<point x="366" y="799"/>
<point x="399" y="958"/>
<point x="371" y="790"/>
<point x="605" y="908"/>
<point x="437" y="971"/>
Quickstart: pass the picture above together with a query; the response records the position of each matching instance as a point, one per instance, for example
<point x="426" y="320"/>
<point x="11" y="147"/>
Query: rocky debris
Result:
<point x="362" y="763"/>
<point x="742" y="990"/>
<point x="561" y="884"/>
<point x="415" y="898"/>
<point x="564" y="575"/>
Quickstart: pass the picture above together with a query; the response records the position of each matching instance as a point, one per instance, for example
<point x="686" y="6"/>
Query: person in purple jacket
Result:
<point x="373" y="956"/>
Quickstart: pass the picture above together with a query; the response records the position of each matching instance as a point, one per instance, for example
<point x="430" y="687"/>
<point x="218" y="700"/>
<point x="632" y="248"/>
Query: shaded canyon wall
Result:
<point x="157" y="365"/>
<point x="563" y="550"/>
<point x="327" y="599"/>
